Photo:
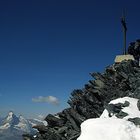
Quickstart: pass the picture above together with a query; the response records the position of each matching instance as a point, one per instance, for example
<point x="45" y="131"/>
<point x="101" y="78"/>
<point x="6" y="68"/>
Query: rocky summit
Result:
<point x="118" y="80"/>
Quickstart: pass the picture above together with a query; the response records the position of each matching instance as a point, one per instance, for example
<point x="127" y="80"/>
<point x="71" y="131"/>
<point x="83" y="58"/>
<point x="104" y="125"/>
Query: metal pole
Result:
<point x="125" y="42"/>
<point x="124" y="32"/>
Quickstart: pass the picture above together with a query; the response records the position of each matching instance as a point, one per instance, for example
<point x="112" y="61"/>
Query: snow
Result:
<point x="12" y="127"/>
<point x="35" y="136"/>
<point x="109" y="129"/>
<point x="35" y="122"/>
<point x="25" y="127"/>
<point x="113" y="128"/>
<point x="42" y="121"/>
<point x="15" y="126"/>
<point x="10" y="117"/>
<point x="5" y="126"/>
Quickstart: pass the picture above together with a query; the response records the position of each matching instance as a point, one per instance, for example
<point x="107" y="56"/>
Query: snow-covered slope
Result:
<point x="120" y="120"/>
<point x="9" y="121"/>
<point x="109" y="129"/>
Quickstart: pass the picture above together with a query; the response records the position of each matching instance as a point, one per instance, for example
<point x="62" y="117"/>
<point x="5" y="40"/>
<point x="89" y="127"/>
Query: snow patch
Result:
<point x="112" y="128"/>
<point x="109" y="129"/>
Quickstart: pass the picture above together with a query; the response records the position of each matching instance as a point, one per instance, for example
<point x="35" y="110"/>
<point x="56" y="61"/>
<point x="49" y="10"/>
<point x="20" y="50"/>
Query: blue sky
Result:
<point x="49" y="47"/>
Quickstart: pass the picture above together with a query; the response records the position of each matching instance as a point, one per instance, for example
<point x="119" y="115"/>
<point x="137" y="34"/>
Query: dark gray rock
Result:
<point x="27" y="137"/>
<point x="138" y="104"/>
<point x="41" y="128"/>
<point x="54" y="121"/>
<point x="126" y="104"/>
<point x="121" y="115"/>
<point x="134" y="49"/>
<point x="113" y="109"/>
<point x="116" y="109"/>
<point x="136" y="120"/>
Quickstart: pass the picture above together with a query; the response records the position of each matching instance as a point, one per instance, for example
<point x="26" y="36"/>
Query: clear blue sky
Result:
<point x="49" y="47"/>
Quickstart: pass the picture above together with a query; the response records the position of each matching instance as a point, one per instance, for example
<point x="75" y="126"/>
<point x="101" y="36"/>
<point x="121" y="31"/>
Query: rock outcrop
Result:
<point x="134" y="49"/>
<point x="118" y="80"/>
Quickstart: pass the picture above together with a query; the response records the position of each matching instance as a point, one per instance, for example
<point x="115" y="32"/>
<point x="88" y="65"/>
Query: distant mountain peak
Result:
<point x="11" y="113"/>
<point x="12" y="127"/>
<point x="10" y="119"/>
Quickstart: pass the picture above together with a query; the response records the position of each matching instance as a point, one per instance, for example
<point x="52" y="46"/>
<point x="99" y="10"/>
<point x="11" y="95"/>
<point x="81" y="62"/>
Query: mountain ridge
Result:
<point x="12" y="127"/>
<point x="118" y="80"/>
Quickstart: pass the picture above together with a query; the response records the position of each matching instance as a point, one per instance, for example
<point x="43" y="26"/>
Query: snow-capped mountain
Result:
<point x="14" y="123"/>
<point x="13" y="127"/>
